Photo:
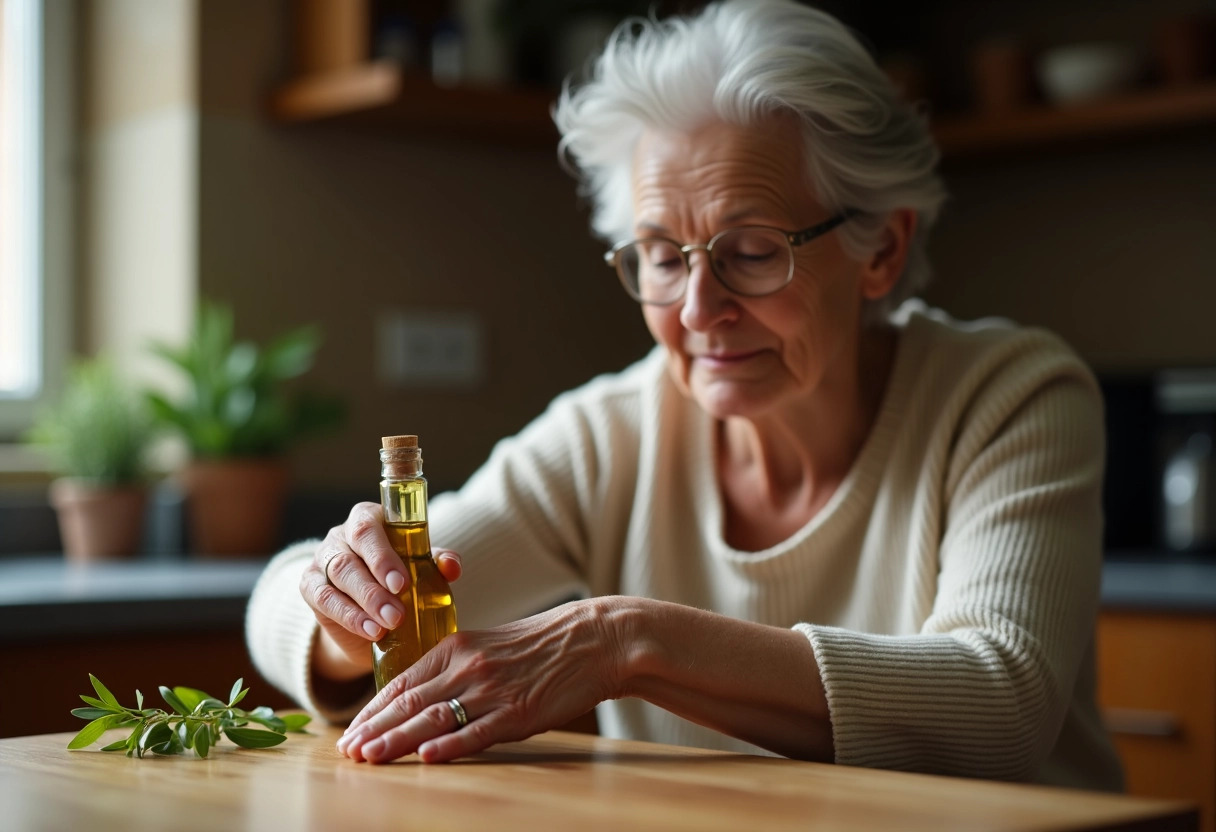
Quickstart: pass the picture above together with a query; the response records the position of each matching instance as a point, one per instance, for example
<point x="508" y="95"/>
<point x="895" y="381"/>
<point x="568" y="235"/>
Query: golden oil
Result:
<point x="430" y="614"/>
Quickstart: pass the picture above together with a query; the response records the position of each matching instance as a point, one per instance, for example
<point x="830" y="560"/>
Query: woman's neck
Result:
<point x="776" y="473"/>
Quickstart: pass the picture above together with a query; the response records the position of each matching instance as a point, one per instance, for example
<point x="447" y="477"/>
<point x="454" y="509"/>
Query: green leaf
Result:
<point x="116" y="746"/>
<point x="175" y="703"/>
<point x="155" y="734"/>
<point x="294" y="723"/>
<point x="91" y="713"/>
<point x="173" y="745"/>
<point x="97" y="703"/>
<point x="291" y="354"/>
<point x="190" y="697"/>
<point x="179" y="358"/>
<point x="139" y="700"/>
<point x="92" y="732"/>
<point x="241" y="364"/>
<point x="250" y="738"/>
<point x="104" y="693"/>
<point x="272" y="722"/>
<point x="202" y="741"/>
<point x="190" y="731"/>
<point x="210" y="703"/>
<point x="133" y="742"/>
<point x="236" y="695"/>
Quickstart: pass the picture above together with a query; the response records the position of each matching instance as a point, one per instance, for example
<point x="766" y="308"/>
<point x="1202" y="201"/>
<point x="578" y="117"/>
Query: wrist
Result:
<point x="330" y="661"/>
<point x="627" y="629"/>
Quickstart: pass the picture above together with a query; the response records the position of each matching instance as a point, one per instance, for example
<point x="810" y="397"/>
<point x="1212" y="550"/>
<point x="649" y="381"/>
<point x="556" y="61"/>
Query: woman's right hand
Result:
<point x="353" y="586"/>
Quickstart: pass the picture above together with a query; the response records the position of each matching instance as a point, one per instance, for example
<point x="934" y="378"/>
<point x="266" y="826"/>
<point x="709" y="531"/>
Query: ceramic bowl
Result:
<point x="1084" y="72"/>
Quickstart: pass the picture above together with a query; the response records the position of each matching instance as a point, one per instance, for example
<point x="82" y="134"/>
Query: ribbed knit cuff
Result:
<point x="925" y="703"/>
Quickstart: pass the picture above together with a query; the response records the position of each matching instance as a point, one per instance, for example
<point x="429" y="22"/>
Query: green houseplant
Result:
<point x="238" y="417"/>
<point x="96" y="436"/>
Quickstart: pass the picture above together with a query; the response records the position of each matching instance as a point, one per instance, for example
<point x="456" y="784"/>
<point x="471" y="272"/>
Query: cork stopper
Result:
<point x="405" y="440"/>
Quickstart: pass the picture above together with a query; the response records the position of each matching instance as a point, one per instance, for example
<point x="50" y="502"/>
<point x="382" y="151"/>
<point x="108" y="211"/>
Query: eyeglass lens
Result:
<point x="749" y="261"/>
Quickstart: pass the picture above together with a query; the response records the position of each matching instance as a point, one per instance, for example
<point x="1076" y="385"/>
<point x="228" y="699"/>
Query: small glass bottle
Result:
<point x="430" y="614"/>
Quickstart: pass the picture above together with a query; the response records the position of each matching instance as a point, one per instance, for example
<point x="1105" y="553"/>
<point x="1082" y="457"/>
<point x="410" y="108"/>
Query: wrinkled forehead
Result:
<point x="760" y="166"/>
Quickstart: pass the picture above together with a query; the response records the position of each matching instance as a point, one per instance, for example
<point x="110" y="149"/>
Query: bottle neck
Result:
<point x="400" y="464"/>
<point x="403" y="489"/>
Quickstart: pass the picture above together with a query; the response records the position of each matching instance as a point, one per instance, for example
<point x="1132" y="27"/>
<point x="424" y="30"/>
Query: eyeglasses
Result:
<point x="751" y="260"/>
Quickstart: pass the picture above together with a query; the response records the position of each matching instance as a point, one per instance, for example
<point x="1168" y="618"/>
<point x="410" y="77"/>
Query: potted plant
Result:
<point x="96" y="435"/>
<point x="238" y="418"/>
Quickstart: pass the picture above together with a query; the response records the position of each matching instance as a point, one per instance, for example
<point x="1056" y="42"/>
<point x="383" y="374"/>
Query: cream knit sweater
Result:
<point x="948" y="589"/>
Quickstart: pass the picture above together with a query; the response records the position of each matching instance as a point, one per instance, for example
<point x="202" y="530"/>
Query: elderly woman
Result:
<point x="819" y="519"/>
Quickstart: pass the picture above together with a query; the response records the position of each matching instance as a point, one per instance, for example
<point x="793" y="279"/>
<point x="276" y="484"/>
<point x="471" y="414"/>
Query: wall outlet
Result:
<point x="428" y="348"/>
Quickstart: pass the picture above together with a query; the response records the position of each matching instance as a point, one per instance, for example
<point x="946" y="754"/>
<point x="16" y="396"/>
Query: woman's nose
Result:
<point x="706" y="301"/>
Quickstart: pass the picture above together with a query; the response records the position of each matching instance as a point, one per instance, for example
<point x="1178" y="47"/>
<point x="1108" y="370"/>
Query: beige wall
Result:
<point x="1112" y="248"/>
<point x="316" y="223"/>
<point x="139" y="162"/>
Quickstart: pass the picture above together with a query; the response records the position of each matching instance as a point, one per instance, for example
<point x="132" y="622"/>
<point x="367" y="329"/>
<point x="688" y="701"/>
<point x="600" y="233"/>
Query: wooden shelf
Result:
<point x="1146" y="111"/>
<point x="380" y="94"/>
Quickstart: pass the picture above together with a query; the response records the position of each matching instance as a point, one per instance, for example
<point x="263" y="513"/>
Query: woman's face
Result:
<point x="735" y="355"/>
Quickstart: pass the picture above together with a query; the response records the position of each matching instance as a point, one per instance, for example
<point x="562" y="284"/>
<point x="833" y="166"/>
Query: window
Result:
<point x="35" y="188"/>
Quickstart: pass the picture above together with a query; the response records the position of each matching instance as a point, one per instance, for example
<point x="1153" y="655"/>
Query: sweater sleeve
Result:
<point x="983" y="689"/>
<point x="530" y="521"/>
<point x="523" y="525"/>
<point x="280" y="630"/>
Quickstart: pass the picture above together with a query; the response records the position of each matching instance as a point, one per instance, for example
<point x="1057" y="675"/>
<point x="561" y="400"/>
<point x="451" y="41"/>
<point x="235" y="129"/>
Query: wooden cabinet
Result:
<point x="1157" y="689"/>
<point x="44" y="677"/>
<point x="337" y="80"/>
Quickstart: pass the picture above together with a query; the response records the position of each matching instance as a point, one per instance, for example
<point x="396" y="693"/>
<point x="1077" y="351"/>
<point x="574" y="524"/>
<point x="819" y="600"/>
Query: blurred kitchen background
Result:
<point x="386" y="170"/>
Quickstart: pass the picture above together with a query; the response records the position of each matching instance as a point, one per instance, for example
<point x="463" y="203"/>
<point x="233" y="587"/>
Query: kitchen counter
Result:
<point x="45" y="596"/>
<point x="1165" y="586"/>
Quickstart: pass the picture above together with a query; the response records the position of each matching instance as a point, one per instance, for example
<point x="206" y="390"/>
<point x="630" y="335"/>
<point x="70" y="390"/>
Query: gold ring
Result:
<point x="462" y="719"/>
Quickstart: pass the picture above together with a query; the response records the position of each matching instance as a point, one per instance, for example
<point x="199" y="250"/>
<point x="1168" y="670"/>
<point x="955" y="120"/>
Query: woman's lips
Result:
<point x="723" y="360"/>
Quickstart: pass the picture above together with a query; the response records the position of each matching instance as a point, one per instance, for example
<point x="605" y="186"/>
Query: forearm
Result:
<point x="752" y="681"/>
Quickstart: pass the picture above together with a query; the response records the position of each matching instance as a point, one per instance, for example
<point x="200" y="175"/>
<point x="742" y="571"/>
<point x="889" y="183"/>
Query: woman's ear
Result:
<point x="880" y="273"/>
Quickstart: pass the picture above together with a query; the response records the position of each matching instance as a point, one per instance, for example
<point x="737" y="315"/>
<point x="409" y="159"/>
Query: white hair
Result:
<point x="741" y="61"/>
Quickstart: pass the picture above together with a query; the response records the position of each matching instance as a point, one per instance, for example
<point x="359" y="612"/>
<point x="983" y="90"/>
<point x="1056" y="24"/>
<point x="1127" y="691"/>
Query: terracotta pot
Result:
<point x="98" y="523"/>
<point x="235" y="506"/>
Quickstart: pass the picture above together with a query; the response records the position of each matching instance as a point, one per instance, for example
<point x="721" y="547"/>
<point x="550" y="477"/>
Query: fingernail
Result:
<point x="373" y="748"/>
<point x="395" y="581"/>
<point x="371" y="628"/>
<point x="390" y="614"/>
<point x="427" y="751"/>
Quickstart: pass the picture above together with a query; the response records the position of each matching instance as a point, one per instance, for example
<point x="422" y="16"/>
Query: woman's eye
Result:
<point x="754" y="255"/>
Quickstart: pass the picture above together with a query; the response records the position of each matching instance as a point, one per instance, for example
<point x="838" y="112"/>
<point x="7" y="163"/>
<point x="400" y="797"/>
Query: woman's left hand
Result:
<point x="512" y="681"/>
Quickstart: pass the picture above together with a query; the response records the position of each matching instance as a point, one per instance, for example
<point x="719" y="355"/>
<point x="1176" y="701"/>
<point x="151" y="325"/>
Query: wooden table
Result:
<point x="554" y="781"/>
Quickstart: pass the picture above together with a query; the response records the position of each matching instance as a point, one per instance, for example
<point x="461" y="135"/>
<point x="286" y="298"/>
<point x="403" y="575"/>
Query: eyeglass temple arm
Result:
<point x="798" y="238"/>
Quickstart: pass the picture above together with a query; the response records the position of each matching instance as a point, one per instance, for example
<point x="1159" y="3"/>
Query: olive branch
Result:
<point x="196" y="723"/>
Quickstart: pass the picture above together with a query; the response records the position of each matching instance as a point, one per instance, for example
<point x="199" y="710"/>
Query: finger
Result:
<point x="449" y="564"/>
<point x="349" y="573"/>
<point x="401" y="699"/>
<point x="398" y="712"/>
<point x="477" y="736"/>
<point x="391" y="695"/>
<point x="433" y="721"/>
<point x="329" y="601"/>
<point x="364" y="534"/>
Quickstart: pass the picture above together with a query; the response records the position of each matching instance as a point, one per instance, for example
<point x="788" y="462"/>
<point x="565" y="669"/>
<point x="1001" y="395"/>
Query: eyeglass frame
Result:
<point x="793" y="240"/>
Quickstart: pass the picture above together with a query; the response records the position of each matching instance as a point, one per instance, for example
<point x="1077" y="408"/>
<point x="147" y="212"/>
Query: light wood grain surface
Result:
<point x="554" y="781"/>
